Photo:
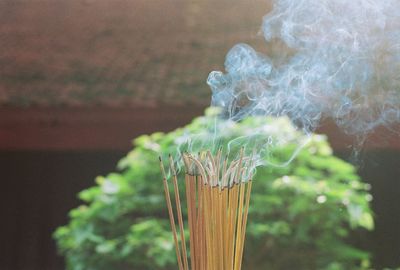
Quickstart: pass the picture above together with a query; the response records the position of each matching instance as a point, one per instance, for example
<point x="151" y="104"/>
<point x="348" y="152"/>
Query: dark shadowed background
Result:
<point x="80" y="78"/>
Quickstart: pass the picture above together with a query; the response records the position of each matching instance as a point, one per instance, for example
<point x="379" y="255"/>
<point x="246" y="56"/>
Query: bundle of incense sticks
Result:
<point x="217" y="200"/>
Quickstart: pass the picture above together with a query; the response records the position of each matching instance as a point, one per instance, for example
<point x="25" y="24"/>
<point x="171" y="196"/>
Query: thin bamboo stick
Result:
<point x="239" y="226"/>
<point x="220" y="229"/>
<point x="179" y="213"/>
<point x="246" y="212"/>
<point x="232" y="223"/>
<point x="199" y="224"/>
<point x="190" y="218"/>
<point x="171" y="216"/>
<point x="194" y="221"/>
<point x="207" y="218"/>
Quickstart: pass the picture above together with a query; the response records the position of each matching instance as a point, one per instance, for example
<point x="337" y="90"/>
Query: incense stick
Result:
<point x="217" y="200"/>
<point x="179" y="212"/>
<point x="171" y="216"/>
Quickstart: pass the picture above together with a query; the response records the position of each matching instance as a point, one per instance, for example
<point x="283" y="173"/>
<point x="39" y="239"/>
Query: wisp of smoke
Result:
<point x="336" y="59"/>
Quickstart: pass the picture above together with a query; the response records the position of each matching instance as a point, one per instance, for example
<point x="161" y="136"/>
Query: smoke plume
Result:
<point x="334" y="59"/>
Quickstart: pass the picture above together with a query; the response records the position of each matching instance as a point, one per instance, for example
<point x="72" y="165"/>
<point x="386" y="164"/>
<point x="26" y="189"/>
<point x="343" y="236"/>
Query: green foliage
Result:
<point x="301" y="214"/>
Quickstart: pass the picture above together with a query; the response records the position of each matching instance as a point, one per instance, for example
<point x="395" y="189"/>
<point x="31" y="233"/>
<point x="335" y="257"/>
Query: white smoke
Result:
<point x="332" y="58"/>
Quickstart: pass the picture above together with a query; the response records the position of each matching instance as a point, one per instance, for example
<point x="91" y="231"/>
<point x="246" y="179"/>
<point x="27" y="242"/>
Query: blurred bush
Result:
<point x="300" y="218"/>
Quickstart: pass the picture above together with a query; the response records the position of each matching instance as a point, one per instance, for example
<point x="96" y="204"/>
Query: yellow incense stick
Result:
<point x="190" y="217"/>
<point x="246" y="212"/>
<point x="179" y="213"/>
<point x="171" y="216"/>
<point x="217" y="201"/>
<point x="239" y="226"/>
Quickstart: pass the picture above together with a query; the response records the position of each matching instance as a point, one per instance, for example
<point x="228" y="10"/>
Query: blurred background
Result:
<point x="80" y="79"/>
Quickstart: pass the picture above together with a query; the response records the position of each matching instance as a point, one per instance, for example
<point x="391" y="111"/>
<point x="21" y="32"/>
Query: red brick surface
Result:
<point x="120" y="52"/>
